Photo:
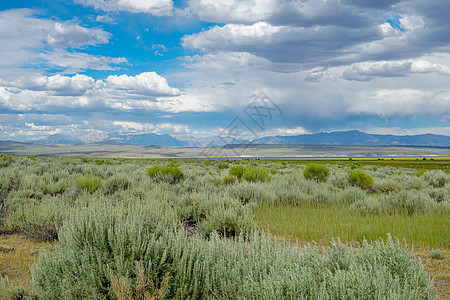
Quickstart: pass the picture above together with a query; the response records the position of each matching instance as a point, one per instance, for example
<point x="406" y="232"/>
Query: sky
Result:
<point x="95" y="68"/>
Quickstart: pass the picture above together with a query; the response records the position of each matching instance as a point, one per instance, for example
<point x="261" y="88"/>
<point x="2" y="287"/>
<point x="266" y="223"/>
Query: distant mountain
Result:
<point x="59" y="139"/>
<point x="355" y="137"/>
<point x="210" y="141"/>
<point x="148" y="139"/>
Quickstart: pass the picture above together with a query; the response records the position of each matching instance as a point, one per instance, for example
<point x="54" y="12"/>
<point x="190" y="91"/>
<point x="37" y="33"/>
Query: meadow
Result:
<point x="116" y="228"/>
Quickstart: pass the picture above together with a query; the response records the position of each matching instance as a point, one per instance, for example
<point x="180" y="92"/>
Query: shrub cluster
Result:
<point x="255" y="174"/>
<point x="89" y="182"/>
<point x="360" y="178"/>
<point x="166" y="174"/>
<point x="317" y="172"/>
<point x="98" y="246"/>
<point x="237" y="171"/>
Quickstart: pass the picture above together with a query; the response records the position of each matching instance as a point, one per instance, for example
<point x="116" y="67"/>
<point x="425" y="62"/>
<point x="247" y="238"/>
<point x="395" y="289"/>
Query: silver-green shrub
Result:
<point x="99" y="244"/>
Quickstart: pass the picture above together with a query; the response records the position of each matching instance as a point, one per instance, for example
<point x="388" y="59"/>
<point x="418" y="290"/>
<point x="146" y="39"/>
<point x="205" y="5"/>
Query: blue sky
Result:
<point x="95" y="68"/>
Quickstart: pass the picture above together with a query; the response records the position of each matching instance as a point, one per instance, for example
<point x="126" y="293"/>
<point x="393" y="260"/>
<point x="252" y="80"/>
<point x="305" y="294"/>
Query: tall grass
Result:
<point x="323" y="223"/>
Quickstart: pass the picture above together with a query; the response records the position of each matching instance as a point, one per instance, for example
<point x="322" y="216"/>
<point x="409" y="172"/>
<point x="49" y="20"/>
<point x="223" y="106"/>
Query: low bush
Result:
<point x="436" y="179"/>
<point x="237" y="171"/>
<point x="255" y="174"/>
<point x="228" y="222"/>
<point x="436" y="254"/>
<point x="351" y="195"/>
<point x="118" y="182"/>
<point x="166" y="174"/>
<point x="360" y="178"/>
<point x="420" y="172"/>
<point x="409" y="202"/>
<point x="385" y="185"/>
<point x="228" y="180"/>
<point x="339" y="180"/>
<point x="88" y="182"/>
<point x="223" y="166"/>
<point x="317" y="172"/>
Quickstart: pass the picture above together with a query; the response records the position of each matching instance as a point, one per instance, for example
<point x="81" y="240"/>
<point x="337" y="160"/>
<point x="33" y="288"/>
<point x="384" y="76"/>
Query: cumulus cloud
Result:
<point x="144" y="127"/>
<point x="145" y="91"/>
<point x="368" y="70"/>
<point x="292" y="131"/>
<point x="153" y="7"/>
<point x="148" y="83"/>
<point x="61" y="85"/>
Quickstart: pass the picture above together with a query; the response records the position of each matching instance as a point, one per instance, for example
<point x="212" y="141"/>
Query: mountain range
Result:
<point x="352" y="137"/>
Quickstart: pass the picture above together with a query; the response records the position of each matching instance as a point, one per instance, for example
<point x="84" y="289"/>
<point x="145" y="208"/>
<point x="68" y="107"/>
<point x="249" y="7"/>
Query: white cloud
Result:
<point x="366" y="71"/>
<point x="143" y="127"/>
<point x="74" y="36"/>
<point x="154" y="7"/>
<point x="311" y="46"/>
<point x="292" y="131"/>
<point x="62" y="85"/>
<point x="148" y="83"/>
<point x="236" y="61"/>
<point x="145" y="91"/>
<point x="73" y="62"/>
<point x="318" y="74"/>
<point x="403" y="131"/>
<point x="402" y="102"/>
<point x="32" y="42"/>
<point x="280" y="12"/>
<point x="105" y="19"/>
<point x="231" y="11"/>
<point x="233" y="34"/>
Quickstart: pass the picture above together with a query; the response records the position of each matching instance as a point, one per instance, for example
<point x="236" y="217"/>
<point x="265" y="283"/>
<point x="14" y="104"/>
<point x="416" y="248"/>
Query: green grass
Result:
<point x="323" y="223"/>
<point x="431" y="163"/>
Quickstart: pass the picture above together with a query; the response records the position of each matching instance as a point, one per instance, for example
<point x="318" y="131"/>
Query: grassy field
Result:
<point x="324" y="223"/>
<point x="433" y="163"/>
<point x="111" y="150"/>
<point x="236" y="229"/>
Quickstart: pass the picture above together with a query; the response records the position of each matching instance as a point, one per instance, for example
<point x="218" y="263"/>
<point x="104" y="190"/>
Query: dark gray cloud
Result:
<point x="284" y="12"/>
<point x="377" y="4"/>
<point x="283" y="44"/>
<point x="326" y="33"/>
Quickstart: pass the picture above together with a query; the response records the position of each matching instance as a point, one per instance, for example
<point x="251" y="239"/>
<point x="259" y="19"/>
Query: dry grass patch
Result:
<point x="438" y="269"/>
<point x="17" y="254"/>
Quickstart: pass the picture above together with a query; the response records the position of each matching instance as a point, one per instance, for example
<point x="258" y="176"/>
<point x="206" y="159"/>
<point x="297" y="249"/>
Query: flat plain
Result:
<point x="130" y="228"/>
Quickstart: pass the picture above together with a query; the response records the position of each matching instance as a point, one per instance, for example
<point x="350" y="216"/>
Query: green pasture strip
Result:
<point x="433" y="163"/>
<point x="323" y="223"/>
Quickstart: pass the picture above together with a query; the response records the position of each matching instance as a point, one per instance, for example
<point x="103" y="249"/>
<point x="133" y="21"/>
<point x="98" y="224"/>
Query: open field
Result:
<point x="192" y="228"/>
<point x="106" y="149"/>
